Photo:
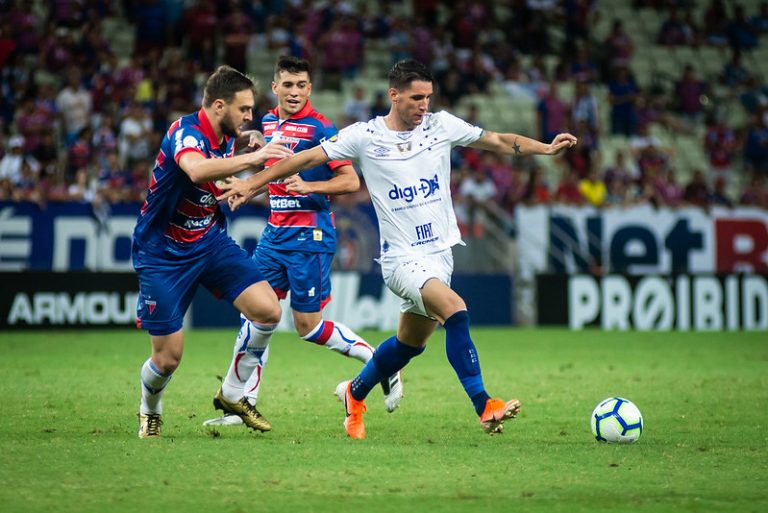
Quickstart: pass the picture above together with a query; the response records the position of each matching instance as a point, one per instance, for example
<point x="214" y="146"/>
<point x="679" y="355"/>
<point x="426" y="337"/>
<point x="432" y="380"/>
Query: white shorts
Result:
<point x="406" y="275"/>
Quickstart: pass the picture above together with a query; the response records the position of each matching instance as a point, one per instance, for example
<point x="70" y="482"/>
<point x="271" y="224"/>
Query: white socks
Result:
<point x="338" y="337"/>
<point x="153" y="383"/>
<point x="250" y="356"/>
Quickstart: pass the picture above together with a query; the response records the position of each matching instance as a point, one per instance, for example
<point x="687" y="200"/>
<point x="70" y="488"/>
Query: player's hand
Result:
<point x="294" y="183"/>
<point x="250" y="141"/>
<point x="237" y="192"/>
<point x="274" y="150"/>
<point x="561" y="142"/>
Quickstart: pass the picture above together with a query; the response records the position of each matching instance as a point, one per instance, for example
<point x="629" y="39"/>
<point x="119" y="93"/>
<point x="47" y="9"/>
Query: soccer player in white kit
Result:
<point x="405" y="160"/>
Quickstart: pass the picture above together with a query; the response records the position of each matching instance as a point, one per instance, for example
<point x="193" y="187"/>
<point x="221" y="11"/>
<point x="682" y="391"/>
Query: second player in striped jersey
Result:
<point x="297" y="247"/>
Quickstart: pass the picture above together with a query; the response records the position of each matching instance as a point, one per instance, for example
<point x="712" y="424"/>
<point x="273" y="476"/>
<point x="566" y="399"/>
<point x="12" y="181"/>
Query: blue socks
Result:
<point x="391" y="356"/>
<point x="463" y="358"/>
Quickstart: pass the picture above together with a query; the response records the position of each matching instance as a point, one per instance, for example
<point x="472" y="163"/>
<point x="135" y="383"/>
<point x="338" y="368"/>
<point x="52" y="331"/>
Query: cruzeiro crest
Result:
<point x="404" y="147"/>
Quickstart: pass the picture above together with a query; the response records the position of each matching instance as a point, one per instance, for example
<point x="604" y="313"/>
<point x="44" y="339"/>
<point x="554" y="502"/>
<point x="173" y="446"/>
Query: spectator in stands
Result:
<point x="47" y="155"/>
<point x="357" y="107"/>
<point x="617" y="194"/>
<point x="582" y="158"/>
<point x="500" y="170"/>
<point x="12" y="161"/>
<point x="741" y="34"/>
<point x="668" y="191"/>
<point x="755" y="193"/>
<point x="537" y="190"/>
<point x="32" y="123"/>
<point x="133" y="139"/>
<point x="476" y="191"/>
<point x="237" y="29"/>
<point x="113" y="183"/>
<point x="104" y="139"/>
<point x="568" y="189"/>
<point x="79" y="153"/>
<point x="74" y="105"/>
<point x="697" y="191"/>
<point x="379" y="106"/>
<point x="689" y="92"/>
<point x="623" y="170"/>
<point x="584" y="108"/>
<point x="673" y="31"/>
<point x="755" y="95"/>
<point x="618" y="46"/>
<point x="201" y="24"/>
<point x="151" y="25"/>
<point x="551" y="113"/>
<point x="622" y="96"/>
<point x="592" y="188"/>
<point x="756" y="145"/>
<point x="721" y="144"/>
<point x="399" y="41"/>
<point x="583" y="68"/>
<point x="716" y="23"/>
<point x="514" y="193"/>
<point x="734" y="73"/>
<point x="719" y="196"/>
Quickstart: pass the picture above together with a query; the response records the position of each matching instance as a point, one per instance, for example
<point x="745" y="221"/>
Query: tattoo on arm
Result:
<point x="516" y="147"/>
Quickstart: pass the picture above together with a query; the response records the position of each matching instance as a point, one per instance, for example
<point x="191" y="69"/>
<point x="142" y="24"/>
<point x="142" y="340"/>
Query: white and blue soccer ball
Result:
<point x="617" y="420"/>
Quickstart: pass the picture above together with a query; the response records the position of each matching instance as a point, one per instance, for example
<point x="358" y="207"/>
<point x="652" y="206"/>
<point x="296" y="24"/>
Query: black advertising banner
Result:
<point x="682" y="302"/>
<point x="46" y="300"/>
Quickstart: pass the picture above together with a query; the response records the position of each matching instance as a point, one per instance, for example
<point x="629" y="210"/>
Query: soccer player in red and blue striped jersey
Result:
<point x="181" y="241"/>
<point x="297" y="247"/>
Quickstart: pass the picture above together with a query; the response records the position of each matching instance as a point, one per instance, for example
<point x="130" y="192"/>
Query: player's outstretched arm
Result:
<point x="201" y="169"/>
<point x="515" y="144"/>
<point x="243" y="190"/>
<point x="344" y="180"/>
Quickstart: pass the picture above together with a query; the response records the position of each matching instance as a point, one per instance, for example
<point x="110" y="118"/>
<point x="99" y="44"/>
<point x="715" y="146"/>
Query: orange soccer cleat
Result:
<point x="496" y="412"/>
<point x="354" y="409"/>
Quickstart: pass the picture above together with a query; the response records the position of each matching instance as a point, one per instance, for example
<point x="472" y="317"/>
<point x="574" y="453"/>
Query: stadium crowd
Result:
<point x="80" y="123"/>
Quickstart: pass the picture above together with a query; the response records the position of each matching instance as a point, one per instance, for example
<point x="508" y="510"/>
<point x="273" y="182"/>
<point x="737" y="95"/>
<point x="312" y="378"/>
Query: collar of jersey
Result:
<point x="303" y="113"/>
<point x="207" y="129"/>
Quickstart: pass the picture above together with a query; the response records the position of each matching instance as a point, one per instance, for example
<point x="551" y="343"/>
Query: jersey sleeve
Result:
<point x="329" y="131"/>
<point x="348" y="144"/>
<point x="459" y="131"/>
<point x="186" y="139"/>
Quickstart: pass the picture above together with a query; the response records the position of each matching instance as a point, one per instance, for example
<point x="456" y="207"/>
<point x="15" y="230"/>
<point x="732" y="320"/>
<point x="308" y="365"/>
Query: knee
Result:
<point x="167" y="361"/>
<point x="270" y="315"/>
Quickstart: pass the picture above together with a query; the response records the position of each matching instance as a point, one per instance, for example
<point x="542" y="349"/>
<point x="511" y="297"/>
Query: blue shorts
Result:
<point x="306" y="275"/>
<point x="167" y="286"/>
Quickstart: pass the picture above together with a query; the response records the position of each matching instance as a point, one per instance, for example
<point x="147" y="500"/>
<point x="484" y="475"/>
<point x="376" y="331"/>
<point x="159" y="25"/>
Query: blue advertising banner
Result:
<point x="85" y="250"/>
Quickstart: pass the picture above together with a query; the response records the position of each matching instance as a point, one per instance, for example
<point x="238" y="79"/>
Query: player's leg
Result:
<point x="334" y="335"/>
<point x="251" y="350"/>
<point x="310" y="282"/>
<point x="448" y="307"/>
<point x="165" y="292"/>
<point x="391" y="356"/>
<point x="234" y="276"/>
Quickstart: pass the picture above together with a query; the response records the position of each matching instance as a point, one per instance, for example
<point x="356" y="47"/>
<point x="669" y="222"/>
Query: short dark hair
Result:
<point x="292" y="64"/>
<point x="406" y="71"/>
<point x="224" y="84"/>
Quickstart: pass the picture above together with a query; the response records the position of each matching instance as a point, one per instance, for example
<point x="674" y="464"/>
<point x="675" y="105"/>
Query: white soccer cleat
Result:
<point x="393" y="391"/>
<point x="341" y="390"/>
<point x="225" y="420"/>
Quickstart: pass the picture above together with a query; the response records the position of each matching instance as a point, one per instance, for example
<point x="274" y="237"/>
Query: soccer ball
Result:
<point x="617" y="420"/>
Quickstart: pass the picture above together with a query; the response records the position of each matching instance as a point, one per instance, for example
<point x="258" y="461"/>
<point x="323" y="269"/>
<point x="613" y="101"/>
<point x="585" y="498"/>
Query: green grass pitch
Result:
<point x="68" y="428"/>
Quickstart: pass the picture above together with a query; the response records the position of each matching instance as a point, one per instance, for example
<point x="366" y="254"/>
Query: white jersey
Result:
<point x="408" y="177"/>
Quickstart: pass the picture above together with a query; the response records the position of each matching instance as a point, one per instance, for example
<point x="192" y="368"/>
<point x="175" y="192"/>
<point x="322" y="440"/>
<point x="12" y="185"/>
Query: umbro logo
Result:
<point x="380" y="151"/>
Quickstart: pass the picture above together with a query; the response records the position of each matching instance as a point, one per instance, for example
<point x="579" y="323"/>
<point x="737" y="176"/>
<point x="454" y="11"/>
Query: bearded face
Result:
<point x="228" y="125"/>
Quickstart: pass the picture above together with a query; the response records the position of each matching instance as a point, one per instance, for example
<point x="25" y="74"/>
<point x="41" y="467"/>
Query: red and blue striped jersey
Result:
<point x="178" y="215"/>
<point x="299" y="222"/>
